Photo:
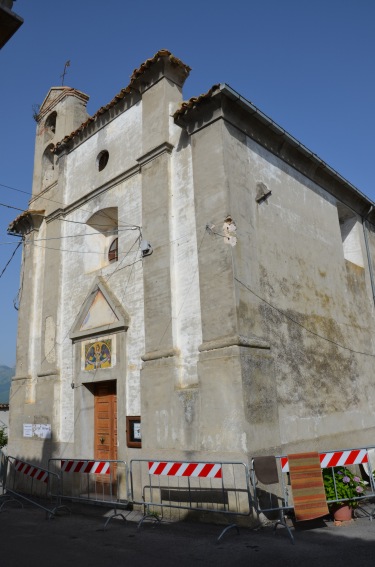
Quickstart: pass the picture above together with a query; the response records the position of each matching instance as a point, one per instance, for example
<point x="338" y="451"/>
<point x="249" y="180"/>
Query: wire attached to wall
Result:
<point x="300" y="324"/>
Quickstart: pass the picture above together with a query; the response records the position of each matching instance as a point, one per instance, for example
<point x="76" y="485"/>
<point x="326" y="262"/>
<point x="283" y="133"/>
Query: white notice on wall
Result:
<point x="27" y="429"/>
<point x="137" y="431"/>
<point x="40" y="430"/>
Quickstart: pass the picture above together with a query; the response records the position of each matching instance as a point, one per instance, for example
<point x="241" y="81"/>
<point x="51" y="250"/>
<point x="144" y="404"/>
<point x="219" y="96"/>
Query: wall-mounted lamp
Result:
<point x="262" y="193"/>
<point x="146" y="248"/>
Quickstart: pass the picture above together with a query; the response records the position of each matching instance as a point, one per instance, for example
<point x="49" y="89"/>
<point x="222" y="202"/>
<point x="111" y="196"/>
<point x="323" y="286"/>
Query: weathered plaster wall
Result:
<point x="121" y="138"/>
<point x="124" y="279"/>
<point x="243" y="323"/>
<point x="307" y="301"/>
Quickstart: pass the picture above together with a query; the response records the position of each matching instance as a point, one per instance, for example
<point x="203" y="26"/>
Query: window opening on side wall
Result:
<point x="350" y="235"/>
<point x="113" y="251"/>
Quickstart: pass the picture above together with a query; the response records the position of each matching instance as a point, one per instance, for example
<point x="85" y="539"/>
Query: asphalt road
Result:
<point x="27" y="538"/>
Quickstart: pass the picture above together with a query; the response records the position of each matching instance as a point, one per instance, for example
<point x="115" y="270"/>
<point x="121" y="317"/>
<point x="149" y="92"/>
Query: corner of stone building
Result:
<point x="160" y="84"/>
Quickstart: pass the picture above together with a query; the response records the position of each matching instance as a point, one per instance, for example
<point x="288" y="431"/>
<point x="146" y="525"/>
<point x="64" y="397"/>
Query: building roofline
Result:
<point x="234" y="95"/>
<point x="133" y="86"/>
<point x="186" y="112"/>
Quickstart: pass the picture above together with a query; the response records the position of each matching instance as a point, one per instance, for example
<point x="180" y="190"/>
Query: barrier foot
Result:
<point x="111" y="518"/>
<point x="283" y="523"/>
<point x="60" y="508"/>
<point x="9" y="499"/>
<point x="369" y="515"/>
<point x="227" y="529"/>
<point x="149" y="517"/>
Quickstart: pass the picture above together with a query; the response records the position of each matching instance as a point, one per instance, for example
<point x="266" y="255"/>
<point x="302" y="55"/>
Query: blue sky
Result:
<point x="308" y="65"/>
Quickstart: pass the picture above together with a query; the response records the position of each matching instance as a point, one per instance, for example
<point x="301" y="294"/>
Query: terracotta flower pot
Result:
<point x="342" y="513"/>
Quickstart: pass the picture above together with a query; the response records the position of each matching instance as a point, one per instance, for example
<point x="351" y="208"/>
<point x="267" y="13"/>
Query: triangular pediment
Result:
<point x="56" y="95"/>
<point x="101" y="313"/>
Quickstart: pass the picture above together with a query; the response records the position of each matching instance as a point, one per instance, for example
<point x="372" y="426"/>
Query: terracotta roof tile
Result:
<point x="152" y="60"/>
<point x="127" y="90"/>
<point x="13" y="225"/>
<point x="195" y="101"/>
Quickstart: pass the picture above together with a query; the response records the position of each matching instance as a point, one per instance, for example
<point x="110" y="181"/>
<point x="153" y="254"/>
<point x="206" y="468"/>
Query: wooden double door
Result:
<point x="105" y="428"/>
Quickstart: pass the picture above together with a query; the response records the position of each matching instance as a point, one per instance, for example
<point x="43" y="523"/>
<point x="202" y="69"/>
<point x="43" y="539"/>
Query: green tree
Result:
<point x="3" y="437"/>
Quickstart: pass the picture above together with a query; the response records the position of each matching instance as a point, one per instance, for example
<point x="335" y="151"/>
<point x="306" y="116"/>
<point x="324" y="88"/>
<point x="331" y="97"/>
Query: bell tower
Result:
<point x="63" y="111"/>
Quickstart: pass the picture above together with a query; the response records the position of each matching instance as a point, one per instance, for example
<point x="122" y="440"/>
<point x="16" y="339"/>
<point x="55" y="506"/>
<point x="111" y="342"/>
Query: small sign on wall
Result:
<point x="133" y="431"/>
<point x="38" y="430"/>
<point x="27" y="429"/>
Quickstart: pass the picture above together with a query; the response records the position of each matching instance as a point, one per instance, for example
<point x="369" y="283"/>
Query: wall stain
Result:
<point x="314" y="375"/>
<point x="188" y="399"/>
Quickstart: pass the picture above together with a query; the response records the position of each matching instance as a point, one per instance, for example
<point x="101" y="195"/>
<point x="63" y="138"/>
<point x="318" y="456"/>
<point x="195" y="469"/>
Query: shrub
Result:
<point x="3" y="437"/>
<point x="341" y="484"/>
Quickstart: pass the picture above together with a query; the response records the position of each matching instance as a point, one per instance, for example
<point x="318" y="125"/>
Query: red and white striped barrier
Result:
<point x="30" y="470"/>
<point x="200" y="470"/>
<point x="335" y="459"/>
<point x="95" y="467"/>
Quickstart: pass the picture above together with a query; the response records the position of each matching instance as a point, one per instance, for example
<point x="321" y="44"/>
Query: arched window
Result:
<point x="102" y="239"/>
<point x="50" y="126"/>
<point x="48" y="166"/>
<point x="113" y="251"/>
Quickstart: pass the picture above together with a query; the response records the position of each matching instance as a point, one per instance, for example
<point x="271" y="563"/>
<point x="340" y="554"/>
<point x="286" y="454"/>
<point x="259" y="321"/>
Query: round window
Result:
<point x="102" y="160"/>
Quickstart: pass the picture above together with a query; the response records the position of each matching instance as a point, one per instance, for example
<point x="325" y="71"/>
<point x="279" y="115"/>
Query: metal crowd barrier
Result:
<point x="272" y="499"/>
<point x="95" y="482"/>
<point x="3" y="470"/>
<point x="200" y="486"/>
<point x="352" y="459"/>
<point x="32" y="483"/>
<point x="276" y="499"/>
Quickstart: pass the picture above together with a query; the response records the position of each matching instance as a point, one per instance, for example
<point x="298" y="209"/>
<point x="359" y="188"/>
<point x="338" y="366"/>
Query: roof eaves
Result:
<point x="194" y="102"/>
<point x="15" y="225"/>
<point x="123" y="93"/>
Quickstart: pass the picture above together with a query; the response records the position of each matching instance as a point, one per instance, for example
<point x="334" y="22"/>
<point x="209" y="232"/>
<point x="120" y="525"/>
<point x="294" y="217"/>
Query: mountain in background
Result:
<point x="6" y="375"/>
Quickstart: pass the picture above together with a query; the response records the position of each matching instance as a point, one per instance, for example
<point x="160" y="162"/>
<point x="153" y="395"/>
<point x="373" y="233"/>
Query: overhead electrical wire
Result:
<point x="10" y="259"/>
<point x="118" y="268"/>
<point x="122" y="225"/>
<point x="82" y="234"/>
<point x="29" y="242"/>
<point x="10" y="207"/>
<point x="135" y="227"/>
<point x="58" y="203"/>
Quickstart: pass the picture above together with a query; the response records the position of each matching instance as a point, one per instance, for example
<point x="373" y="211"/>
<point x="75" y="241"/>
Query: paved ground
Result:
<point x="27" y="538"/>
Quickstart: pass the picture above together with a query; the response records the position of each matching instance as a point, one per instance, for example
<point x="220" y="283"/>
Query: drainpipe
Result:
<point x="369" y="259"/>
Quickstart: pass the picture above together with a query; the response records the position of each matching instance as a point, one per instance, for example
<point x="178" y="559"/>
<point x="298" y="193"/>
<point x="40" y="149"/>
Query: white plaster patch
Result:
<point x="186" y="323"/>
<point x="229" y="232"/>
<point x="244" y="442"/>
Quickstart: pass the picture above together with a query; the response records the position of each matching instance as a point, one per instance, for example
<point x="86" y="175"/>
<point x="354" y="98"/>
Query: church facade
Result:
<point x="196" y="284"/>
